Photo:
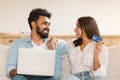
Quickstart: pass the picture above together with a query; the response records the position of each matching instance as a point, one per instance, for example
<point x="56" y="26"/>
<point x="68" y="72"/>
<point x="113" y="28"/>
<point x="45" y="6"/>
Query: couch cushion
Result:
<point x="3" y="60"/>
<point x="113" y="72"/>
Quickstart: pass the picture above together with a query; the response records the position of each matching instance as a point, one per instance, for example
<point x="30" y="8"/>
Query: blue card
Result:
<point x="96" y="38"/>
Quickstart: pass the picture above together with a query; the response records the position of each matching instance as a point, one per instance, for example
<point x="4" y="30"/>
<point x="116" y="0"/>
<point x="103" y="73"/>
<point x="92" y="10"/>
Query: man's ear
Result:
<point x="33" y="25"/>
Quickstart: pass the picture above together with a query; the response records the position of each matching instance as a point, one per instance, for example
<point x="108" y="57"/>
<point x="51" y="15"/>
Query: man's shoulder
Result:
<point x="21" y="40"/>
<point x="70" y="44"/>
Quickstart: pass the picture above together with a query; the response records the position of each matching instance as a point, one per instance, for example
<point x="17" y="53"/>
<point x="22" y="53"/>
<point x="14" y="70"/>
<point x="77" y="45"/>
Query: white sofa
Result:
<point x="113" y="65"/>
<point x="113" y="72"/>
<point x="3" y="60"/>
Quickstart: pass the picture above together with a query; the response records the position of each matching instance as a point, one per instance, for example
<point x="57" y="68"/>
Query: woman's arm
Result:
<point x="100" y="60"/>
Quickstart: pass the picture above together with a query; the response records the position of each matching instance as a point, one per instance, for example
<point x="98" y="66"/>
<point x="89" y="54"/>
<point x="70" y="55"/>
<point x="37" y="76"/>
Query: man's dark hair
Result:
<point x="35" y="13"/>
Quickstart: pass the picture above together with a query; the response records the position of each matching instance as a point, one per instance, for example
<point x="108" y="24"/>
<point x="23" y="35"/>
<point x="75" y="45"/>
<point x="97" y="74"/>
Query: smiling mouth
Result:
<point x="45" y="31"/>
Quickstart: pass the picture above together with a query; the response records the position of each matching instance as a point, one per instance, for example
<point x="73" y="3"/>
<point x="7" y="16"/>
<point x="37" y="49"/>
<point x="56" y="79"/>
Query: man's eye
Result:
<point x="46" y="23"/>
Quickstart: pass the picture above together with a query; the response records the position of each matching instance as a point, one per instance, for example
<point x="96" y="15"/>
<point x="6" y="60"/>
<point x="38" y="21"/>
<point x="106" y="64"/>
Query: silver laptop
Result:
<point x="36" y="62"/>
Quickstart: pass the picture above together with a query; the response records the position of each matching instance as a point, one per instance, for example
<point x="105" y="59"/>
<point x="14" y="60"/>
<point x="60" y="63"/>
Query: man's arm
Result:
<point x="12" y="60"/>
<point x="54" y="42"/>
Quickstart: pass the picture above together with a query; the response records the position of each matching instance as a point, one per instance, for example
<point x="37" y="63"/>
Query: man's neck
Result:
<point x="37" y="39"/>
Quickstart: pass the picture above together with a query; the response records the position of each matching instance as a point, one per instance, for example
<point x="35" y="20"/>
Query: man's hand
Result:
<point x="13" y="72"/>
<point x="52" y="43"/>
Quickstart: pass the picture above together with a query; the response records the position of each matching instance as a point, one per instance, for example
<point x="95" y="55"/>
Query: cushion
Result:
<point x="113" y="72"/>
<point x="3" y="60"/>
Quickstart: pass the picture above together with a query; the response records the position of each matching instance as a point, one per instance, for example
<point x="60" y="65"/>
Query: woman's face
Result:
<point x="78" y="31"/>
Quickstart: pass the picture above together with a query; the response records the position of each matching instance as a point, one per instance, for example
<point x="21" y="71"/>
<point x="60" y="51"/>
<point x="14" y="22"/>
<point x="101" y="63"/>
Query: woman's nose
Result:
<point x="75" y="30"/>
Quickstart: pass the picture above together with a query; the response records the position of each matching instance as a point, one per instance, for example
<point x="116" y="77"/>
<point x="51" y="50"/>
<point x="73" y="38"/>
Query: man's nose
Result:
<point x="47" y="26"/>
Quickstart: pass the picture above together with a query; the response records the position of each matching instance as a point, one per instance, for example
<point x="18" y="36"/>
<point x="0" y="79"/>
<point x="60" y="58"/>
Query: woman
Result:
<point x="85" y="56"/>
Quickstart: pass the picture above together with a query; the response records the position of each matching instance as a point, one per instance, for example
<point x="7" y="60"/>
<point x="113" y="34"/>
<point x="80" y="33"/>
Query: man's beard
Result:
<point x="43" y="34"/>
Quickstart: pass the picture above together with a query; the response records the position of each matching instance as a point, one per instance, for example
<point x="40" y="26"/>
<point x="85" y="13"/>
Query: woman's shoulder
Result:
<point x="70" y="44"/>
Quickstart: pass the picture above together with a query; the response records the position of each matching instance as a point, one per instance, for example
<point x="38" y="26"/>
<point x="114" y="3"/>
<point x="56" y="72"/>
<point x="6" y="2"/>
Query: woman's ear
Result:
<point x="33" y="25"/>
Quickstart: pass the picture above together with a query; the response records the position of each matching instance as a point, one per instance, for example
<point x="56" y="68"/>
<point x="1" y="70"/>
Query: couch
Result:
<point x="3" y="60"/>
<point x="113" y="71"/>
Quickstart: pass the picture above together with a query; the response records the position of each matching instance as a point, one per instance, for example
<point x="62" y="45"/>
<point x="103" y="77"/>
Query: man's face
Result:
<point x="42" y="26"/>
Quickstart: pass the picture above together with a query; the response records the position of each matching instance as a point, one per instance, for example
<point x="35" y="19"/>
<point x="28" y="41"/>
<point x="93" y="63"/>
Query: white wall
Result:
<point x="14" y="14"/>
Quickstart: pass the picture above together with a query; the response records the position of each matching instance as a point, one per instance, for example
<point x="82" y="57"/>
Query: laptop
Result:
<point x="36" y="62"/>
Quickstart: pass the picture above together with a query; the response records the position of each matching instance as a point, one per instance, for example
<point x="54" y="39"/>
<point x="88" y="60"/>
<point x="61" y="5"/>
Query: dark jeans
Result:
<point x="31" y="77"/>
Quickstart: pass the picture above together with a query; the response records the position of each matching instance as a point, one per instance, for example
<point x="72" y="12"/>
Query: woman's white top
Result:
<point x="83" y="60"/>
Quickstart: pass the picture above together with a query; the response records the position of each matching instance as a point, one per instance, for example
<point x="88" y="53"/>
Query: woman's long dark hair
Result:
<point x="89" y="25"/>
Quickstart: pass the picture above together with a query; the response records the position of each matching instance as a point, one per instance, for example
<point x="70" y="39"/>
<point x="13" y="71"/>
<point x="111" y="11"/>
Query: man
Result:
<point x="39" y="22"/>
